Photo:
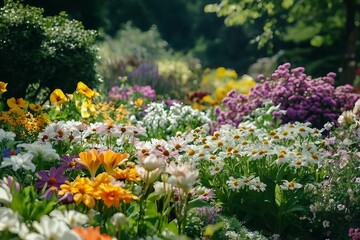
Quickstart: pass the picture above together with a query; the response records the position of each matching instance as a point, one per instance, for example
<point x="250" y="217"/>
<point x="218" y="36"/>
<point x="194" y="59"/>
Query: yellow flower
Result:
<point x="90" y="161"/>
<point x="82" y="190"/>
<point x="3" y="87"/>
<point x="139" y="102"/>
<point x="58" y="97"/>
<point x="129" y="174"/>
<point x="83" y="89"/>
<point x="17" y="103"/>
<point x="110" y="160"/>
<point x="35" y="107"/>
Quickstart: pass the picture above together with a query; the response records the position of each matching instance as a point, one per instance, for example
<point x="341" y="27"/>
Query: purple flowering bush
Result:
<point x="125" y="93"/>
<point x="305" y="99"/>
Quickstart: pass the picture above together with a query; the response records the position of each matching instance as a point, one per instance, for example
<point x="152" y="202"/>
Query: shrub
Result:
<point x="42" y="53"/>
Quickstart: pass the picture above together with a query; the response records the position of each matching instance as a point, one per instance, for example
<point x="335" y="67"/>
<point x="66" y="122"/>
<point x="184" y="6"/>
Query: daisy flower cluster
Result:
<point x="162" y="121"/>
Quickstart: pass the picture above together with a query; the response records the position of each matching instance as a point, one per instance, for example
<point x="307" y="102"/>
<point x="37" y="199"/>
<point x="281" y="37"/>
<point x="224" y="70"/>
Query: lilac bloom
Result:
<point x="68" y="162"/>
<point x="53" y="178"/>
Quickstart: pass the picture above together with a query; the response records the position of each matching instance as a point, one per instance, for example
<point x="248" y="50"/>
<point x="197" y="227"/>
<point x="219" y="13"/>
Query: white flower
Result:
<point x="151" y="162"/>
<point x="5" y="194"/>
<point x="42" y="151"/>
<point x="347" y="117"/>
<point x="146" y="176"/>
<point x="257" y="185"/>
<point x="9" y="220"/>
<point x="162" y="187"/>
<point x="286" y="185"/>
<point x="118" y="219"/>
<point x="71" y="217"/>
<point x="19" y="161"/>
<point x="183" y="176"/>
<point x="326" y="224"/>
<point x="8" y="136"/>
<point x="49" y="228"/>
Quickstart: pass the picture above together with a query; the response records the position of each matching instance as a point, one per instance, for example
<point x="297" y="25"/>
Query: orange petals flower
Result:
<point x="58" y="97"/>
<point x="3" y="87"/>
<point x="129" y="174"/>
<point x="90" y="161"/>
<point x="112" y="195"/>
<point x="83" y="89"/>
<point x="17" y="103"/>
<point x="110" y="160"/>
<point x="91" y="233"/>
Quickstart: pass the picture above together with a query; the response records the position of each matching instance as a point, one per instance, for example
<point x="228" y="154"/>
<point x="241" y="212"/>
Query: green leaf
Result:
<point x="172" y="227"/>
<point x="196" y="203"/>
<point x="287" y="3"/>
<point x="279" y="195"/>
<point x="211" y="229"/>
<point x="317" y="41"/>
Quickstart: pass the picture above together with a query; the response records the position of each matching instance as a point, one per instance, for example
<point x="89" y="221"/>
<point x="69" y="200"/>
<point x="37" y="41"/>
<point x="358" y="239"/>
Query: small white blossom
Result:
<point x="19" y="161"/>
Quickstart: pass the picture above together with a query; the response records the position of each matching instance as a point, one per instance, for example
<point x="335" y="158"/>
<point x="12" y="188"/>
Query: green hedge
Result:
<point x="39" y="54"/>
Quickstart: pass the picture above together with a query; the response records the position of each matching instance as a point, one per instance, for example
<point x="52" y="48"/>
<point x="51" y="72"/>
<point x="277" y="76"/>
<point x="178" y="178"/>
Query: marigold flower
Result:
<point x="129" y="174"/>
<point x="17" y="103"/>
<point x="91" y="233"/>
<point x="3" y="87"/>
<point x="90" y="161"/>
<point x="58" y="97"/>
<point x="110" y="160"/>
<point x="83" y="89"/>
<point x="112" y="195"/>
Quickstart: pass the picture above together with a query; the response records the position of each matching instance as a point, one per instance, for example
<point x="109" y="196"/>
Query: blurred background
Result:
<point x="180" y="39"/>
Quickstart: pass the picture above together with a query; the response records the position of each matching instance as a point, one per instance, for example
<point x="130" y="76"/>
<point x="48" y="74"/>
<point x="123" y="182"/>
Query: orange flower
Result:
<point x="17" y="103"/>
<point x="110" y="160"/>
<point x="112" y="195"/>
<point x="129" y="174"/>
<point x="90" y="161"/>
<point x="91" y="233"/>
<point x="58" y="97"/>
<point x="83" y="89"/>
<point x="3" y="87"/>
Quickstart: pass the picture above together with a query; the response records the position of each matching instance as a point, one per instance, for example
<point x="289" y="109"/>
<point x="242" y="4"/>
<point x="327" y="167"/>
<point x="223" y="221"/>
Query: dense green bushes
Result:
<point x="38" y="54"/>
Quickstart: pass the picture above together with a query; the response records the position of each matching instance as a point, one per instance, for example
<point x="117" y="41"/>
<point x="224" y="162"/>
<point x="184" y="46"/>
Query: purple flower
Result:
<point x="53" y="178"/>
<point x="303" y="98"/>
<point x="68" y="162"/>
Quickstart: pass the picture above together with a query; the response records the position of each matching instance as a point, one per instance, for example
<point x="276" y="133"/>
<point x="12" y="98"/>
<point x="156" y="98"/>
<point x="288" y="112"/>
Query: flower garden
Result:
<point x="278" y="159"/>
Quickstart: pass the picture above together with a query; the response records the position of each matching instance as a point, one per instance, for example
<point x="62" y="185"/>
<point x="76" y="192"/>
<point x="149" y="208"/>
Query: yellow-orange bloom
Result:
<point x="35" y="107"/>
<point x="91" y="233"/>
<point x="3" y="87"/>
<point x="58" y="97"/>
<point x="112" y="195"/>
<point x="110" y="160"/>
<point x="17" y="103"/>
<point x="83" y="89"/>
<point x="129" y="174"/>
<point x="82" y="190"/>
<point x="90" y="161"/>
<point x="138" y="102"/>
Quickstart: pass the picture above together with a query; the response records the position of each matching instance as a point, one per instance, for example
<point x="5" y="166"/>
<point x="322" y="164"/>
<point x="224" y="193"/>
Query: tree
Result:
<point x="317" y="22"/>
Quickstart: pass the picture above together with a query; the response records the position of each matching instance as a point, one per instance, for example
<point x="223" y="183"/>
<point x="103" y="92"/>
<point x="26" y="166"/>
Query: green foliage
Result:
<point x="29" y="204"/>
<point x="43" y="52"/>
